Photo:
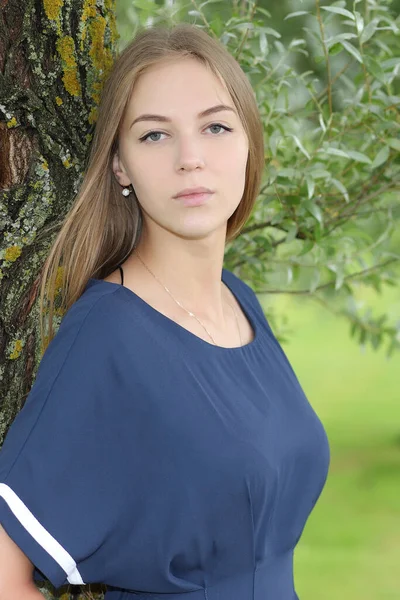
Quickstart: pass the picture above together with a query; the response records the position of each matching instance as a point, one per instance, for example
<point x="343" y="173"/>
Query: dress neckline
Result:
<point x="247" y="310"/>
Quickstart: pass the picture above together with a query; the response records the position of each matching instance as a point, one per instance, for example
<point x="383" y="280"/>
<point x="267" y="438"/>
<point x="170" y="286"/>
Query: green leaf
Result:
<point x="296" y="14"/>
<point x="339" y="275"/>
<point x="339" y="185"/>
<point x="375" y="69"/>
<point x="390" y="62"/>
<point x="277" y="218"/>
<point x="394" y="143"/>
<point x="209" y="2"/>
<point x="359" y="22"/>
<point x="290" y="173"/>
<point x="381" y="157"/>
<point x="353" y="329"/>
<point x="274" y="141"/>
<point x="320" y="174"/>
<point x="310" y="186"/>
<point x="335" y="49"/>
<point x="359" y="157"/>
<point x="314" y="210"/>
<point x="291" y="234"/>
<point x="263" y="44"/>
<point x="280" y="47"/>
<point x="339" y="279"/>
<point x="376" y="340"/>
<point x="242" y="26"/>
<point x="339" y="37"/>
<point x="308" y="245"/>
<point x="335" y="152"/>
<point x="292" y="200"/>
<point x="299" y="42"/>
<point x="263" y="11"/>
<point x="316" y="277"/>
<point x="369" y="31"/>
<point x="272" y="32"/>
<point x="352" y="50"/>
<point x="363" y="337"/>
<point x="300" y="146"/>
<point x="339" y="11"/>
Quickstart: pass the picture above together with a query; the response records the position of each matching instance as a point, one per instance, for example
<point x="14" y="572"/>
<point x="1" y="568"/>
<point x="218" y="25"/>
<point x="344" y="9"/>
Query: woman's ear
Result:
<point x="119" y="171"/>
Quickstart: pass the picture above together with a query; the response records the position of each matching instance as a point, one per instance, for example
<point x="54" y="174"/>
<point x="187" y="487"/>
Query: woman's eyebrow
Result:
<point x="203" y="113"/>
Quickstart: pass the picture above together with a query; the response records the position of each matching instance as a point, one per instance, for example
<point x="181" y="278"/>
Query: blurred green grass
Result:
<point x="350" y="547"/>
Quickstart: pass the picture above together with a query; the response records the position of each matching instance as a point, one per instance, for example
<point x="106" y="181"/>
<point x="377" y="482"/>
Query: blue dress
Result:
<point x="159" y="464"/>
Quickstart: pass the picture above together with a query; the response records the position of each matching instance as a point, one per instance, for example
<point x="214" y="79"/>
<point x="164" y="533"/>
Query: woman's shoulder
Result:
<point x="96" y="316"/>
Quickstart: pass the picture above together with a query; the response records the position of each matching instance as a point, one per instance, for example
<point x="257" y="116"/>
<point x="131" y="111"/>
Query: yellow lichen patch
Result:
<point x="18" y="345"/>
<point x="113" y="28"/>
<point x="96" y="90"/>
<point x="12" y="123"/>
<point x="110" y="7"/>
<point x="59" y="100"/>
<point x="66" y="49"/>
<point x="52" y="8"/>
<point x="45" y="165"/>
<point x="83" y="37"/>
<point x="89" y="9"/>
<point x="66" y="163"/>
<point x="12" y="253"/>
<point x="101" y="56"/>
<point x="71" y="83"/>
<point x="92" y="118"/>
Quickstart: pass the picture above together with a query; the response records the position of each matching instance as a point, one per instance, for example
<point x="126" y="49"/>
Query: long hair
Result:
<point x="103" y="227"/>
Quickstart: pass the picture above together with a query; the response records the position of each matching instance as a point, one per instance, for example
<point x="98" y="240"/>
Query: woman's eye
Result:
<point x="145" y="137"/>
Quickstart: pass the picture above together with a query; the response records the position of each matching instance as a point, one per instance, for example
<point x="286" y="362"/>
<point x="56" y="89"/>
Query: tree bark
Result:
<point x="54" y="56"/>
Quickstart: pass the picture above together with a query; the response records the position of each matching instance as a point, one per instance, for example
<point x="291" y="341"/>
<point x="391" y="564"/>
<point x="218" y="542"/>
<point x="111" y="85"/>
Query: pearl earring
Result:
<point x="125" y="192"/>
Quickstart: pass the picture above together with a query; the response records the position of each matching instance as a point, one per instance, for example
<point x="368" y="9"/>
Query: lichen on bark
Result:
<point x="49" y="88"/>
<point x="54" y="56"/>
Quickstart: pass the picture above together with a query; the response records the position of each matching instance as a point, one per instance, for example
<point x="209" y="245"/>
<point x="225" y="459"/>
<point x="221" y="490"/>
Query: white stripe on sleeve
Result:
<point x="41" y="535"/>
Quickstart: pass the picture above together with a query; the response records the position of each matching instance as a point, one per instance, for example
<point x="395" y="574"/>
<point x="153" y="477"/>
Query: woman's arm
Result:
<point x="16" y="572"/>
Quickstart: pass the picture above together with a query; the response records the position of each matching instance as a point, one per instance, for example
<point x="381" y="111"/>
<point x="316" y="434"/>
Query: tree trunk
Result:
<point x="54" y="56"/>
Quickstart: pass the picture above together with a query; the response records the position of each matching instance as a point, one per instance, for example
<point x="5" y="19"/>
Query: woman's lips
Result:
<point x="195" y="199"/>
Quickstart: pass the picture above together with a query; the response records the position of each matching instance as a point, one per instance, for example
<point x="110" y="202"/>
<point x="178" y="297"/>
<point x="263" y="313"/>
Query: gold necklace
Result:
<point x="188" y="311"/>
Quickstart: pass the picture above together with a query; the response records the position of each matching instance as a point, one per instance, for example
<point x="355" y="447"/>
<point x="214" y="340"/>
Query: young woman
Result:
<point x="166" y="448"/>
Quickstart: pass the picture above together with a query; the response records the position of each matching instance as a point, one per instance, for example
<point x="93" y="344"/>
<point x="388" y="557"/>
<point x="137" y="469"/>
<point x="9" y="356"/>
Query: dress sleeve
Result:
<point x="60" y="464"/>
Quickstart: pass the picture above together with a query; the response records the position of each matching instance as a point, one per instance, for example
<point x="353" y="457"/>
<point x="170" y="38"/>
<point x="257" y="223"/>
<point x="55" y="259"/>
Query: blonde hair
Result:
<point x="103" y="227"/>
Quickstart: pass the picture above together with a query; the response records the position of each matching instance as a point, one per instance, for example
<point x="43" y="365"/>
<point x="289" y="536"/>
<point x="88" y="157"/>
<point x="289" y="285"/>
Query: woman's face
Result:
<point x="184" y="152"/>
